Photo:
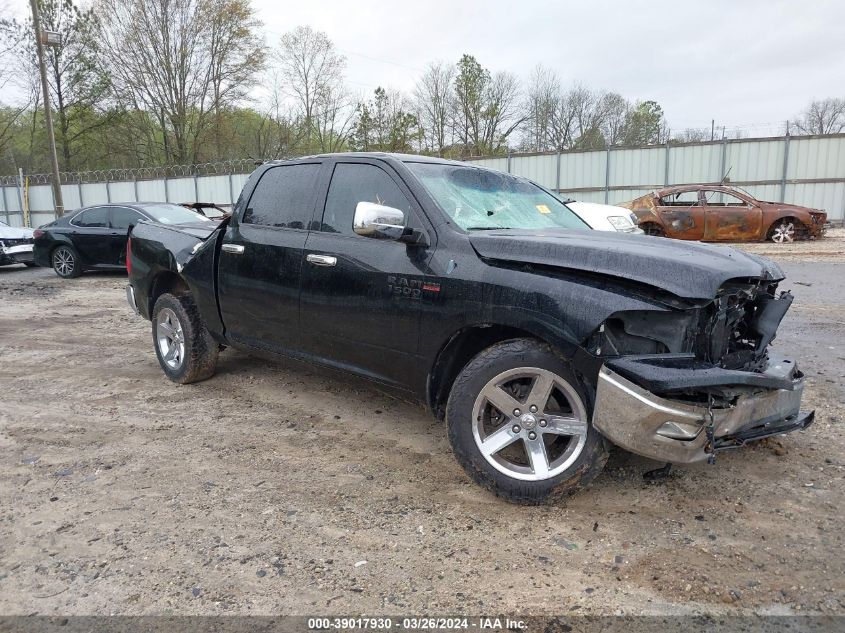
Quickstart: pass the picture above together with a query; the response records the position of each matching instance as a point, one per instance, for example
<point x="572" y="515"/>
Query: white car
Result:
<point x="605" y="217"/>
<point x="15" y="245"/>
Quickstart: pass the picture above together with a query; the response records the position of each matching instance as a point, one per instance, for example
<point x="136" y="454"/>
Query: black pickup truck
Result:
<point x="483" y="296"/>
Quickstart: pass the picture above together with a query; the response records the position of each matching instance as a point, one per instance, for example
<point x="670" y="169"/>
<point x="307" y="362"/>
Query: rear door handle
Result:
<point x="235" y="249"/>
<point x="321" y="260"/>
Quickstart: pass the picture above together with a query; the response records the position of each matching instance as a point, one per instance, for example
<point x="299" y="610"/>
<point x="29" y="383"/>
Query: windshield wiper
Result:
<point x="486" y="228"/>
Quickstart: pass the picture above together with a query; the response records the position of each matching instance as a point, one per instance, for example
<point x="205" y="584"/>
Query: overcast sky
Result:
<point x="742" y="62"/>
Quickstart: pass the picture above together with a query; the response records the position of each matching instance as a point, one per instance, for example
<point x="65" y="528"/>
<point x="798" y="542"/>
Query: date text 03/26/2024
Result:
<point x="414" y="623"/>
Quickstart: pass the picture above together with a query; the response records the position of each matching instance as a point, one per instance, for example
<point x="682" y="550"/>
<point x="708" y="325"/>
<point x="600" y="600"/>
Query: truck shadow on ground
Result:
<point x="330" y="392"/>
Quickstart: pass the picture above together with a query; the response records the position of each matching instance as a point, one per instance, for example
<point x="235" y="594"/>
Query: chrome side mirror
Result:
<point x="377" y="220"/>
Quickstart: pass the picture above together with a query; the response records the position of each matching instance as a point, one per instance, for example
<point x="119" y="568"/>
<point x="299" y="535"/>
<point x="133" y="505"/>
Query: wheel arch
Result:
<point x="166" y="281"/>
<point x="463" y="346"/>
<point x="59" y="241"/>
<point x="652" y="226"/>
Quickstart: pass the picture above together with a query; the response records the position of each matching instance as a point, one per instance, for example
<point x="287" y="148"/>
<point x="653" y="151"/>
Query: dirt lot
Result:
<point x="274" y="488"/>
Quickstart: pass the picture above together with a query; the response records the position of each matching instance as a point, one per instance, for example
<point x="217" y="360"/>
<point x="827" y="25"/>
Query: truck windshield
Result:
<point x="173" y="214"/>
<point x="480" y="199"/>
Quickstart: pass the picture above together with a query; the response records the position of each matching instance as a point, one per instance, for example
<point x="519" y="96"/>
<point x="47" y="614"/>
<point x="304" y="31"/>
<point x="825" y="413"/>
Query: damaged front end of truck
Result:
<point x="682" y="386"/>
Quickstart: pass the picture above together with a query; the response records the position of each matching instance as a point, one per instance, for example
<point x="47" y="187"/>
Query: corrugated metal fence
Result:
<point x="805" y="170"/>
<point x="222" y="189"/>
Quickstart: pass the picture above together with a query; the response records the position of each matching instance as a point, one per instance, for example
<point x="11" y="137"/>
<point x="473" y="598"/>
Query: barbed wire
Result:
<point x="236" y="166"/>
<point x="733" y="132"/>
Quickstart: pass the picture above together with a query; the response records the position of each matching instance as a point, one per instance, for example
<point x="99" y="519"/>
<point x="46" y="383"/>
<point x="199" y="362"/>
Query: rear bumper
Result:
<point x="130" y="299"/>
<point x="669" y="430"/>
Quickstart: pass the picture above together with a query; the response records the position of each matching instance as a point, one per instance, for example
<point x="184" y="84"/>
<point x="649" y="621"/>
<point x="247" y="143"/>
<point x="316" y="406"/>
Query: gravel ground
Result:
<point x="274" y="488"/>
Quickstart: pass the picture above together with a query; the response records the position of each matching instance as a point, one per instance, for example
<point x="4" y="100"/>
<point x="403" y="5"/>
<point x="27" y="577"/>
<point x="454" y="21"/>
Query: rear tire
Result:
<point x="536" y="443"/>
<point x="185" y="349"/>
<point x="65" y="262"/>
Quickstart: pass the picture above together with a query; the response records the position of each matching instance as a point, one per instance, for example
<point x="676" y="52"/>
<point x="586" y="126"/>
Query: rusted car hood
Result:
<point x="794" y="207"/>
<point x="690" y="270"/>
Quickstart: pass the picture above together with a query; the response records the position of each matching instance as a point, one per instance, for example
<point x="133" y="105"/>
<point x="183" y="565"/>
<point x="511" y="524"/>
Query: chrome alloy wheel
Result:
<point x="784" y="232"/>
<point x="63" y="261"/>
<point x="529" y="423"/>
<point x="171" y="339"/>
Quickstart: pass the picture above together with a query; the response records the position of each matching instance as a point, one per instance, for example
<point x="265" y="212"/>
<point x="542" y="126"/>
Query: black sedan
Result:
<point x="94" y="237"/>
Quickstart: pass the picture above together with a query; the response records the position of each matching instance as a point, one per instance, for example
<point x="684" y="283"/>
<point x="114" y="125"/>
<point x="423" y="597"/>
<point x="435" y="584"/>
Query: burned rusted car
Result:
<point x="715" y="213"/>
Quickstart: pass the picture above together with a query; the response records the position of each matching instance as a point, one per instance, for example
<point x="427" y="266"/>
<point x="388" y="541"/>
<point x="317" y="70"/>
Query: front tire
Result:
<point x="65" y="262"/>
<point x="185" y="349"/>
<point x="787" y="230"/>
<point x="519" y="424"/>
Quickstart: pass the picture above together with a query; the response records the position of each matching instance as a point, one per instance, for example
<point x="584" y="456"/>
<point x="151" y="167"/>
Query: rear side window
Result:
<point x="680" y="199"/>
<point x="359" y="182"/>
<point x="284" y="197"/>
<point x="122" y="218"/>
<point x="96" y="217"/>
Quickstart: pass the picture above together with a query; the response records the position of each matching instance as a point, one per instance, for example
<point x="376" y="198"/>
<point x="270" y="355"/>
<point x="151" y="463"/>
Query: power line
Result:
<point x="382" y="61"/>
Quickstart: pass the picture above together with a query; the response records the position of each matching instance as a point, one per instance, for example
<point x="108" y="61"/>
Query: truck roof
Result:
<point x="404" y="158"/>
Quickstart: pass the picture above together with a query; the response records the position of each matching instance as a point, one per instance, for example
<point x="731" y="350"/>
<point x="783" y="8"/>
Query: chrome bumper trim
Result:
<point x="630" y="417"/>
<point x="130" y="298"/>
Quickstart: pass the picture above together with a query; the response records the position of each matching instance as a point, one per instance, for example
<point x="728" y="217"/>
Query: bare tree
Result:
<point x="165" y="58"/>
<point x="314" y="74"/>
<point x="692" y="135"/>
<point x="333" y="118"/>
<point x="614" y="109"/>
<point x="433" y="103"/>
<point x="542" y="101"/>
<point x="577" y="119"/>
<point x="825" y="116"/>
<point x="235" y="53"/>
<point x="10" y="36"/>
<point x="501" y="116"/>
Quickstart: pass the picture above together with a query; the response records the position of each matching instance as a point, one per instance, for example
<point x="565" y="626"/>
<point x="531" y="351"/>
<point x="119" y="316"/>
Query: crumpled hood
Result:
<point x="782" y="206"/>
<point x="690" y="270"/>
<point x="14" y="233"/>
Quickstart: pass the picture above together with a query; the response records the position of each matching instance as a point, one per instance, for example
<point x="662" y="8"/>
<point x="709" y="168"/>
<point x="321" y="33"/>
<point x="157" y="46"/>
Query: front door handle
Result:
<point x="235" y="249"/>
<point x="321" y="260"/>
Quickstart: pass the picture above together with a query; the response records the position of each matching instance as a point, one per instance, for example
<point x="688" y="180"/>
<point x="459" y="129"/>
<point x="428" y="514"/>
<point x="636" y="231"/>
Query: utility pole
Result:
<point x="54" y="39"/>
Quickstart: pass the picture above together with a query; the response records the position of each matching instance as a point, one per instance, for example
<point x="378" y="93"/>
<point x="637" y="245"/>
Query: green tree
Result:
<point x="486" y="107"/>
<point x="384" y="124"/>
<point x="471" y="85"/>
<point x="644" y="124"/>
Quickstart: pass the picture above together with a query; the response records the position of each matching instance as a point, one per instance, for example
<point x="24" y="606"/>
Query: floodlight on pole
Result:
<point x="50" y="38"/>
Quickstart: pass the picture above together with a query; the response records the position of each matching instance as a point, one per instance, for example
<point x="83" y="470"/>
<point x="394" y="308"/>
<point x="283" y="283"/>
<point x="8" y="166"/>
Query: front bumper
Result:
<point x="18" y="254"/>
<point x="669" y="430"/>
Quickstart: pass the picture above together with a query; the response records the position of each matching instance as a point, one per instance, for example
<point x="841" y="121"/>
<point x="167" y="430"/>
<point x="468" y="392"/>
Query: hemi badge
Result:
<point x="431" y="287"/>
